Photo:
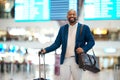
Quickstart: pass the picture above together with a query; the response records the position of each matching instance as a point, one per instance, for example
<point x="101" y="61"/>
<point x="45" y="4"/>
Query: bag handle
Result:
<point x="94" y="55"/>
<point x="93" y="52"/>
<point x="94" y="63"/>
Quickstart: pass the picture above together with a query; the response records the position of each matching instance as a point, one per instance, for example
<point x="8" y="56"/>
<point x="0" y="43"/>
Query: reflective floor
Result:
<point x="33" y="73"/>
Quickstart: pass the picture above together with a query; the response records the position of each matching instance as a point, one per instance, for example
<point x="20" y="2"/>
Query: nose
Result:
<point x="72" y="15"/>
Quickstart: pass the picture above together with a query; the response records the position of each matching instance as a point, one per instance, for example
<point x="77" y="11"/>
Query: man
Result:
<point x="73" y="43"/>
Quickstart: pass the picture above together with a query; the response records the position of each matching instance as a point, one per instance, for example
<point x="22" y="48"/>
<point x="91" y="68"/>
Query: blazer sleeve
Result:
<point x="89" y="40"/>
<point x="56" y="43"/>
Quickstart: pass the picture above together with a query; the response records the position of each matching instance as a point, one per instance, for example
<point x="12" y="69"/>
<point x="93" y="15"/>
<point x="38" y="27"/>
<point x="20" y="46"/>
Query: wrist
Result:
<point x="82" y="50"/>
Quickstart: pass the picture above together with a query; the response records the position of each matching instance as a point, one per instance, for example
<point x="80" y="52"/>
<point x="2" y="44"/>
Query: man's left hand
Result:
<point x="79" y="50"/>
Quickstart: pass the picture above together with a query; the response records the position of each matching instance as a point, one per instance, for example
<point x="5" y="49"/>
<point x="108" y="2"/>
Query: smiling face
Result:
<point x="72" y="17"/>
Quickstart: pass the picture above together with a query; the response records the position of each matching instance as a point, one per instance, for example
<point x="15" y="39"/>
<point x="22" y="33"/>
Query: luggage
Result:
<point x="40" y="78"/>
<point x="57" y="64"/>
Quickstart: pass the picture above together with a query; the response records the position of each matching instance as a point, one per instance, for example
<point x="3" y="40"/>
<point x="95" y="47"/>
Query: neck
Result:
<point x="73" y="23"/>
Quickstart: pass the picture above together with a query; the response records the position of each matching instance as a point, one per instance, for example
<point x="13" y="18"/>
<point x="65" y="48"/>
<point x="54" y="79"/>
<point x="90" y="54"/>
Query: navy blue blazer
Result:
<point x="84" y="40"/>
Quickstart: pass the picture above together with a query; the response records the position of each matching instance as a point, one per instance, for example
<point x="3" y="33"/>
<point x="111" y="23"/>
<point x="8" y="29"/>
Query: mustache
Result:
<point x="72" y="17"/>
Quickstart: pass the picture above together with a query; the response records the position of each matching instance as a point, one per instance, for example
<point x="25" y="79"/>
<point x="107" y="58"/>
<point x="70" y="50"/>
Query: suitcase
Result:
<point x="40" y="78"/>
<point x="57" y="64"/>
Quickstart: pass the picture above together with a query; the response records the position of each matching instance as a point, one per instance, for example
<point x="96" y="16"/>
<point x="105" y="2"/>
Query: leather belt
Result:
<point x="72" y="56"/>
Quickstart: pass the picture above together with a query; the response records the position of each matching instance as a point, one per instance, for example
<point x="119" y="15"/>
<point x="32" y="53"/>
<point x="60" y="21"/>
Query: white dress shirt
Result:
<point x="71" y="40"/>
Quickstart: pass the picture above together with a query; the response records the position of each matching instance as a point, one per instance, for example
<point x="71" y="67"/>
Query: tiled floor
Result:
<point x="23" y="75"/>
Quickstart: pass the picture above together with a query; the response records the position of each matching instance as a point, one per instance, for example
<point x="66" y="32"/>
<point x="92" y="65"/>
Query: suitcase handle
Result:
<point x="42" y="55"/>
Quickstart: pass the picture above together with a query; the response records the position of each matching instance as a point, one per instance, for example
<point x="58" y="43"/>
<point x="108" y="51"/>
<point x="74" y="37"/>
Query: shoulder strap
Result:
<point x="81" y="34"/>
<point x="93" y="52"/>
<point x="81" y="29"/>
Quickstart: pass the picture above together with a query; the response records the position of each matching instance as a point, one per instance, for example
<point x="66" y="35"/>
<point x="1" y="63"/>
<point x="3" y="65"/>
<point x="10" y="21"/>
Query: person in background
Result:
<point x="2" y="65"/>
<point x="72" y="43"/>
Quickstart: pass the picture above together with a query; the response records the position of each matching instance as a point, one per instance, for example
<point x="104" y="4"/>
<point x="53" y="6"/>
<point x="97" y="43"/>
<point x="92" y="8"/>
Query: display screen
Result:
<point x="2" y="47"/>
<point x="102" y="9"/>
<point x="43" y="10"/>
<point x="32" y="10"/>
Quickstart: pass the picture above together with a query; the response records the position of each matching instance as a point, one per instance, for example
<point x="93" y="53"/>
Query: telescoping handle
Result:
<point x="42" y="55"/>
<point x="39" y="66"/>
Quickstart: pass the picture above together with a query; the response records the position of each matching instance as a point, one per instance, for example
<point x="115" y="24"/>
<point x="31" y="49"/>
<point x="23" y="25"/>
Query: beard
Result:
<point x="72" y="20"/>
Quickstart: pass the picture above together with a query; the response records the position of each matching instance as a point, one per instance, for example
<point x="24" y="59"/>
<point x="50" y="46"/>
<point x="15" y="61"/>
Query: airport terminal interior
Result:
<point x="21" y="38"/>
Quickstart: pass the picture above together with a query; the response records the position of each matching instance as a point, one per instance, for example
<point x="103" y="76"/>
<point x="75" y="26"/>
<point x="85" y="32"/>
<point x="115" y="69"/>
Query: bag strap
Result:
<point x="93" y="52"/>
<point x="81" y="29"/>
<point x="82" y="63"/>
<point x="82" y="25"/>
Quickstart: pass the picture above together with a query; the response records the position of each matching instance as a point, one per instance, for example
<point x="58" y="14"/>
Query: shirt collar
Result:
<point x="76" y="24"/>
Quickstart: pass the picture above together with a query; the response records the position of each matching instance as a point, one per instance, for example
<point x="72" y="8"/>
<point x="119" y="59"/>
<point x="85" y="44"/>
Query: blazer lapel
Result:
<point x="66" y="33"/>
<point x="78" y="31"/>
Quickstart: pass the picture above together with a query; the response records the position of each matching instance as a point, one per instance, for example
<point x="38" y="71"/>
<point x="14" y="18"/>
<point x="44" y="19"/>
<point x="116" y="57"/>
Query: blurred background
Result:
<point x="26" y="26"/>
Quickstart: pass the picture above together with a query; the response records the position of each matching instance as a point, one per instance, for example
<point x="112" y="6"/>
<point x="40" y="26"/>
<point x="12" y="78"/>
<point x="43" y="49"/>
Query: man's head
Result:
<point x="72" y="16"/>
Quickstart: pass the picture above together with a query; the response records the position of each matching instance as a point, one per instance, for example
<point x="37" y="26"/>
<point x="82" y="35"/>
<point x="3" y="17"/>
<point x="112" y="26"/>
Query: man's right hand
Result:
<point x="43" y="51"/>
